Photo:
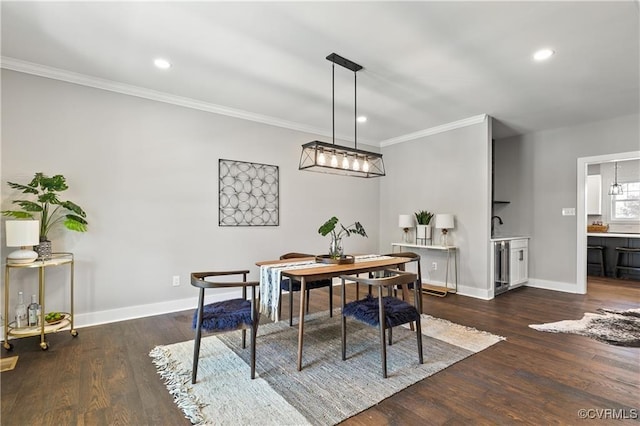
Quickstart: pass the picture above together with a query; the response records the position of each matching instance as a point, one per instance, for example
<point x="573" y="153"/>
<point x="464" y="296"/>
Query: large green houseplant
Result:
<point x="337" y="231"/>
<point x="47" y="207"/>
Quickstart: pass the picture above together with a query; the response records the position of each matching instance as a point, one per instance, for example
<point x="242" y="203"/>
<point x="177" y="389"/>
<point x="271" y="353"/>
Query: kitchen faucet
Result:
<point x="499" y="221"/>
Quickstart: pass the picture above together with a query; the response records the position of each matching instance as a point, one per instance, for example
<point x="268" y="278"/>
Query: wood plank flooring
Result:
<point x="105" y="376"/>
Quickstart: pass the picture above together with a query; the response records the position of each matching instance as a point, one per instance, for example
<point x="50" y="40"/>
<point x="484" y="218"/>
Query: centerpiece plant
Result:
<point x="48" y="208"/>
<point x="338" y="231"/>
<point x="423" y="230"/>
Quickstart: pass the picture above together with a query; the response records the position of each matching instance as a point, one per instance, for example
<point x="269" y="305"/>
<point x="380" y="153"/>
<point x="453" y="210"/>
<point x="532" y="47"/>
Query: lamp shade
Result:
<point x="444" y="221"/>
<point x="405" y="221"/>
<point x="22" y="233"/>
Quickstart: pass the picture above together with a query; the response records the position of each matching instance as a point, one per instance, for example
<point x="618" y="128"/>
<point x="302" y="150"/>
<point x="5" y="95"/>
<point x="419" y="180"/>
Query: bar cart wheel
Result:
<point x="44" y="346"/>
<point x="74" y="333"/>
<point x="8" y="346"/>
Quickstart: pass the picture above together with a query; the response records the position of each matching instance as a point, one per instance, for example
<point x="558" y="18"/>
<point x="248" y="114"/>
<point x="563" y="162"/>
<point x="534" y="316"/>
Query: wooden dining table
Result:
<point x="329" y="272"/>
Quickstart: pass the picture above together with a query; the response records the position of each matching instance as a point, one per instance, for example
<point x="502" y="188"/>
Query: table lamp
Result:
<point x="444" y="221"/>
<point x="22" y="233"/>
<point x="405" y="221"/>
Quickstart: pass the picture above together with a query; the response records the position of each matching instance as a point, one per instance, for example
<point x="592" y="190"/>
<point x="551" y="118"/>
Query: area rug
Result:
<point x="327" y="390"/>
<point x="620" y="328"/>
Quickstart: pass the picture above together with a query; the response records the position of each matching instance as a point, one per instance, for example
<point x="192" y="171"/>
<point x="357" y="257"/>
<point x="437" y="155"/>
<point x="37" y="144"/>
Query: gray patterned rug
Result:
<point x="327" y="390"/>
<point x="620" y="328"/>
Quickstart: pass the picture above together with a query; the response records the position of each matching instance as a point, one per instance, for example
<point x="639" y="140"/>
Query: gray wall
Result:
<point x="537" y="173"/>
<point x="443" y="173"/>
<point x="146" y="173"/>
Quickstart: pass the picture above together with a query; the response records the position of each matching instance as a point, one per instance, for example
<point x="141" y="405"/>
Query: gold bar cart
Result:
<point x="56" y="259"/>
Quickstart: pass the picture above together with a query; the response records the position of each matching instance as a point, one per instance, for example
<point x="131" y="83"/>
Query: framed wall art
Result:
<point x="248" y="194"/>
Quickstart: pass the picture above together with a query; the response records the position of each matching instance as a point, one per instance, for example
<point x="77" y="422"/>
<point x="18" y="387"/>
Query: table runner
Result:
<point x="271" y="275"/>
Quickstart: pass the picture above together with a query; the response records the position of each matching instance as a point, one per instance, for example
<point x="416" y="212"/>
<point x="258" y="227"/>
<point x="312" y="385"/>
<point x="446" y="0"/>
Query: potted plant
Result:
<point x="337" y="232"/>
<point x="423" y="229"/>
<point x="47" y="208"/>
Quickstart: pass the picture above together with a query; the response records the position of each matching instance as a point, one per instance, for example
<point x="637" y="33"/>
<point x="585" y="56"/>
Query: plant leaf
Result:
<point x="56" y="183"/>
<point x="24" y="188"/>
<point x="29" y="206"/>
<point x="17" y="214"/>
<point x="74" y="208"/>
<point x="71" y="222"/>
<point x="49" y="197"/>
<point x="328" y="226"/>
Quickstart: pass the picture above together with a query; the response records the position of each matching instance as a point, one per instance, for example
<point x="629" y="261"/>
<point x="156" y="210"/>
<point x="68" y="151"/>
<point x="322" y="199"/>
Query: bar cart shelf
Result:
<point x="56" y="259"/>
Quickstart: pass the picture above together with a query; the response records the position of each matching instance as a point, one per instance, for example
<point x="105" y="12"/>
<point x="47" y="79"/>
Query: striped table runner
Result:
<point x="271" y="275"/>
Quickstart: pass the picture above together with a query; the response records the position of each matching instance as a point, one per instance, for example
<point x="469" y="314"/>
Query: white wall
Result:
<point x="146" y="173"/>
<point x="537" y="173"/>
<point x="443" y="173"/>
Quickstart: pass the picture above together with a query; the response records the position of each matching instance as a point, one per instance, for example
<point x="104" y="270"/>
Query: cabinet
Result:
<point x="56" y="260"/>
<point x="594" y="195"/>
<point x="518" y="263"/>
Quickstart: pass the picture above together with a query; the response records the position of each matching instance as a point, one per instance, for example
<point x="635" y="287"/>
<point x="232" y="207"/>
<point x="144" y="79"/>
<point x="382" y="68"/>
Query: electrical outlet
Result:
<point x="176" y="280"/>
<point x="434" y="266"/>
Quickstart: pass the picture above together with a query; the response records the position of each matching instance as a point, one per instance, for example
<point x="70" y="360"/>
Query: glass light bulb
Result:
<point x="356" y="164"/>
<point x="365" y="166"/>
<point x="321" y="159"/>
<point x="334" y="160"/>
<point x="345" y="162"/>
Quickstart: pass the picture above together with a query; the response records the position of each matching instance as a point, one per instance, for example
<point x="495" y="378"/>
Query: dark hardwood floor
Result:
<point x="105" y="376"/>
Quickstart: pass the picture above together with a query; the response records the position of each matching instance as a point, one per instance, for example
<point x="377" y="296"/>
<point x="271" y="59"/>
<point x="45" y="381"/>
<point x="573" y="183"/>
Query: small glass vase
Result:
<point x="335" y="248"/>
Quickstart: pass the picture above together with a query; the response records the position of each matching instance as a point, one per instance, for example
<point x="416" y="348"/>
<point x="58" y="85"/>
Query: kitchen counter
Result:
<point x="612" y="235"/>
<point x="521" y="237"/>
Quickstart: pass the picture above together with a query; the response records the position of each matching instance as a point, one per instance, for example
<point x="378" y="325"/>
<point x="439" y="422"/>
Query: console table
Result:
<point x="452" y="260"/>
<point x="56" y="259"/>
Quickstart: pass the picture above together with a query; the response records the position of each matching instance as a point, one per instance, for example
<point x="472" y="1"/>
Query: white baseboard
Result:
<point x="553" y="285"/>
<point x="477" y="293"/>
<point x="140" y="311"/>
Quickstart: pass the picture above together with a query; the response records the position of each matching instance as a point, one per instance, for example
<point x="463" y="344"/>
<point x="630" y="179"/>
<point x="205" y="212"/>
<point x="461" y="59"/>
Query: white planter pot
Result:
<point x="423" y="233"/>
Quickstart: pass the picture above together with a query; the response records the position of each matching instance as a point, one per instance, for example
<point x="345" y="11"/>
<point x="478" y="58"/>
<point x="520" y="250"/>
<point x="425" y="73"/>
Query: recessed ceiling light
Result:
<point x="543" y="54"/>
<point x="362" y="119"/>
<point x="163" y="64"/>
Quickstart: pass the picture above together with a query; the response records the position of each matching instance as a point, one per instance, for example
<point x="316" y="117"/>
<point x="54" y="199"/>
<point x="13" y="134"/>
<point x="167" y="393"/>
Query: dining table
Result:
<point x="310" y="269"/>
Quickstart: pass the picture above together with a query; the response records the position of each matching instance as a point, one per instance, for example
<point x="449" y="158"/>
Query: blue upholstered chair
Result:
<point x="226" y="315"/>
<point x="287" y="285"/>
<point x="384" y="312"/>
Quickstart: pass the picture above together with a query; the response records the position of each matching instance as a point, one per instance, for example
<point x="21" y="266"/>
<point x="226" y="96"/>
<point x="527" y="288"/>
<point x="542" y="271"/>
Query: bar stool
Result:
<point x="600" y="250"/>
<point x="629" y="251"/>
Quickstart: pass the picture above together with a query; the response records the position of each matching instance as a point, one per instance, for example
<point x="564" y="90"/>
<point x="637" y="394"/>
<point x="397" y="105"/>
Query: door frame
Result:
<point x="581" y="222"/>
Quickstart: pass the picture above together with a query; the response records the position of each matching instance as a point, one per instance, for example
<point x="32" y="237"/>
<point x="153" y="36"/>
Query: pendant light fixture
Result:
<point x="615" y="188"/>
<point x="330" y="158"/>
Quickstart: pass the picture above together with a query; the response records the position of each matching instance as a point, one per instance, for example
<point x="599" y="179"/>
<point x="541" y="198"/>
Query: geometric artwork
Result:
<point x="248" y="194"/>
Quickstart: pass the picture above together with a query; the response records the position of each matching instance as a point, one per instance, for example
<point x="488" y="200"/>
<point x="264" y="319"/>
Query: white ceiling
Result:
<point x="425" y="63"/>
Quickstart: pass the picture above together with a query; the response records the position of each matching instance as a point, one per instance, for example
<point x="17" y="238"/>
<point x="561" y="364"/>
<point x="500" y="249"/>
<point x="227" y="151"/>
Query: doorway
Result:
<point x="581" y="222"/>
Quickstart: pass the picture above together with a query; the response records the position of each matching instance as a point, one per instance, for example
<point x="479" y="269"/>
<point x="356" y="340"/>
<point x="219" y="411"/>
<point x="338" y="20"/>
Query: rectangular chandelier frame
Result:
<point x="319" y="157"/>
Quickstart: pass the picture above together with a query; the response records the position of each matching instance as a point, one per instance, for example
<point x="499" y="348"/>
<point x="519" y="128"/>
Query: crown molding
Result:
<point x="154" y="95"/>
<point x="476" y="119"/>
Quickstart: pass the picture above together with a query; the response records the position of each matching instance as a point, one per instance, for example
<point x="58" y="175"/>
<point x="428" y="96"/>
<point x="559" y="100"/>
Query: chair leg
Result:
<point x="343" y="322"/>
<point x="254" y="335"/>
<point x="390" y="336"/>
<point x="244" y="338"/>
<point x="419" y="338"/>
<point x="280" y="303"/>
<point x="381" y="326"/>
<point x="383" y="351"/>
<point x="331" y="299"/>
<point x="308" y="294"/>
<point x="196" y="343"/>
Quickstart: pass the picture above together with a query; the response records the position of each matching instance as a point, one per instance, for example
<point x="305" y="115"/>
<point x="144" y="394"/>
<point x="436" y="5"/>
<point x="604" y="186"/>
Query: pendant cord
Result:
<point x="355" y="109"/>
<point x="333" y="101"/>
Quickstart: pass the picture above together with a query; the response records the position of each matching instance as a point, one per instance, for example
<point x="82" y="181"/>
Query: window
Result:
<point x="626" y="206"/>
